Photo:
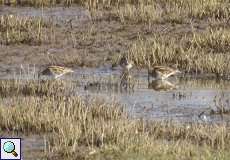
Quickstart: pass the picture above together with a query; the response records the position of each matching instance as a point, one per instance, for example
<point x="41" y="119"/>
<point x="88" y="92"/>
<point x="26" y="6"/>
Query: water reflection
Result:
<point x="98" y="87"/>
<point x="180" y="100"/>
<point x="182" y="95"/>
<point x="202" y="82"/>
<point x="161" y="85"/>
<point x="126" y="81"/>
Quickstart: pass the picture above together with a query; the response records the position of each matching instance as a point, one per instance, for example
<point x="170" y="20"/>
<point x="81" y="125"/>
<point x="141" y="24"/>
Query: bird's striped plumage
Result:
<point x="162" y="72"/>
<point x="55" y="71"/>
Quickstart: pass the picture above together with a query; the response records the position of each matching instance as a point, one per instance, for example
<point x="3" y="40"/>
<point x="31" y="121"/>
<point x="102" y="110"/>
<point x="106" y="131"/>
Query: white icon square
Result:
<point x="10" y="149"/>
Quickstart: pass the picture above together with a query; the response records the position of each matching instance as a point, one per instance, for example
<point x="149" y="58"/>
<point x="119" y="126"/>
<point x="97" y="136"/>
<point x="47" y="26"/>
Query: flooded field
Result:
<point x="99" y="111"/>
<point x="58" y="15"/>
<point x="181" y="99"/>
<point x="184" y="99"/>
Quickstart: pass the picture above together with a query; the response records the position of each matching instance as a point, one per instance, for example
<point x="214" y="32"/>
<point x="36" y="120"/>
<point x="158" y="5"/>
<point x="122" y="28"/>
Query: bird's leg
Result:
<point x="39" y="75"/>
<point x="148" y="69"/>
<point x="148" y="76"/>
<point x="36" y="76"/>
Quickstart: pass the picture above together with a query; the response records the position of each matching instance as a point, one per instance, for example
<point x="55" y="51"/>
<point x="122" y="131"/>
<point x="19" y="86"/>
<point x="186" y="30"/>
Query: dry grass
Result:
<point x="95" y="129"/>
<point x="208" y="82"/>
<point x="24" y="30"/>
<point x="92" y="128"/>
<point x="150" y="11"/>
<point x="173" y="11"/>
<point x="222" y="104"/>
<point x="204" y="52"/>
<point x="177" y="8"/>
<point x="16" y="88"/>
<point x="192" y="50"/>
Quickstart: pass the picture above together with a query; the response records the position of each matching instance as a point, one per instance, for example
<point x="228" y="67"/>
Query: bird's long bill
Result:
<point x="68" y="70"/>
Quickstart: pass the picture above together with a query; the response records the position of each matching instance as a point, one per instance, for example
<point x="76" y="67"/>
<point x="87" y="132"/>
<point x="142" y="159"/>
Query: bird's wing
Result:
<point x="45" y="71"/>
<point x="56" y="69"/>
<point x="163" y="69"/>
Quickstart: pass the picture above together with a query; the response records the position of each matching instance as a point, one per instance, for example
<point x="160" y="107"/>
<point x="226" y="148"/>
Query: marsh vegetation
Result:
<point x="192" y="35"/>
<point x="92" y="128"/>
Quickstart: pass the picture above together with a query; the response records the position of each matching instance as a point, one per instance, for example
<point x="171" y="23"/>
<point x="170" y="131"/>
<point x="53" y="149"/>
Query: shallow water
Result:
<point x="180" y="99"/>
<point x="184" y="102"/>
<point x="58" y="15"/>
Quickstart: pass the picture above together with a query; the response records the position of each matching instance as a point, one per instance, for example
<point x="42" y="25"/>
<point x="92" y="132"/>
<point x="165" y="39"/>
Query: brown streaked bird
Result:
<point x="126" y="64"/>
<point x="55" y="71"/>
<point x="161" y="72"/>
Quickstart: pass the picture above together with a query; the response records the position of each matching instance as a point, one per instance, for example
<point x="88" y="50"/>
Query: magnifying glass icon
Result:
<point x="9" y="147"/>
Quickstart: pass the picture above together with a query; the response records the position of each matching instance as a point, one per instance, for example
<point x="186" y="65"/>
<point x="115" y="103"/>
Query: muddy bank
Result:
<point x="72" y="37"/>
